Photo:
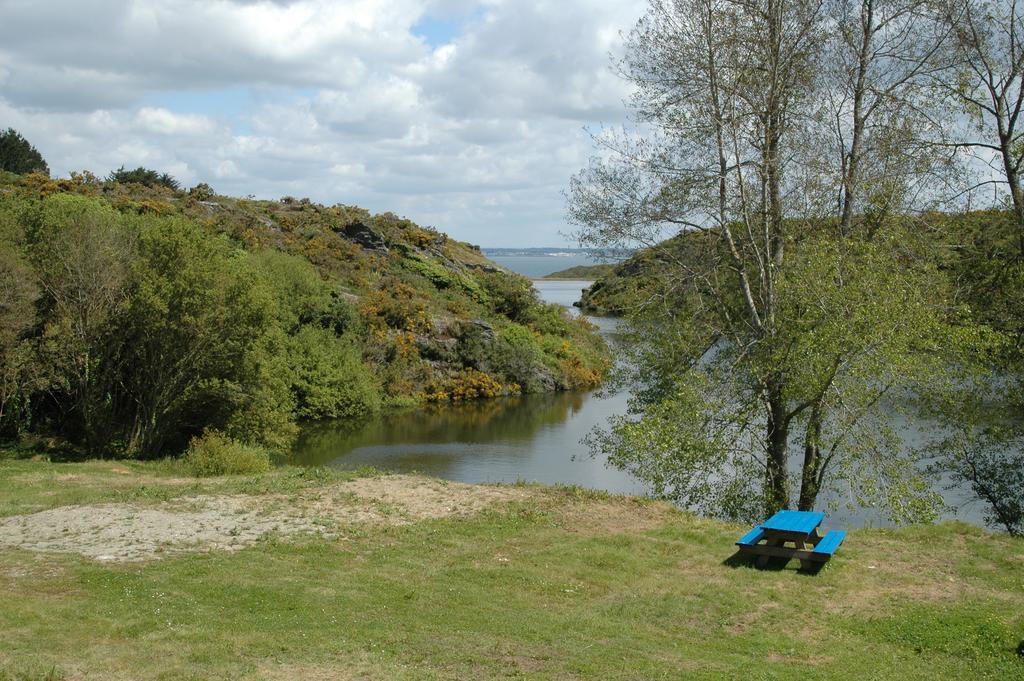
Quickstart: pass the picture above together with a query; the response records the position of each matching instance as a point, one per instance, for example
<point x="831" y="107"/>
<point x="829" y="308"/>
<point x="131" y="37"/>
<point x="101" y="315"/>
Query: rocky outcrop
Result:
<point x="487" y="330"/>
<point x="365" y="236"/>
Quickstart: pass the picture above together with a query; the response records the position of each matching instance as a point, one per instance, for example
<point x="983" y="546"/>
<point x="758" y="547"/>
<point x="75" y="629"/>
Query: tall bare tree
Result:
<point x="985" y="79"/>
<point x="727" y="85"/>
<point x="751" y="332"/>
<point x="877" y="64"/>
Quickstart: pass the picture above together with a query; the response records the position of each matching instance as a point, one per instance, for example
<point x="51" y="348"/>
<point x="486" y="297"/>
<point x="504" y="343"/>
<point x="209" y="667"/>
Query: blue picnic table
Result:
<point x="799" y="528"/>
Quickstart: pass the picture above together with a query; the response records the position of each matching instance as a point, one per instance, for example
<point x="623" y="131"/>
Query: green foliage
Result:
<point x="856" y="320"/>
<point x="474" y="347"/>
<point x="83" y="253"/>
<point x="18" y="156"/>
<point x="443" y="277"/>
<point x="985" y="453"/>
<point x="20" y="371"/>
<point x="329" y="379"/>
<point x="262" y="402"/>
<point x="985" y="449"/>
<point x="303" y="297"/>
<point x="518" y="356"/>
<point x="143" y="176"/>
<point x="132" y="320"/>
<point x="582" y="272"/>
<point x="197" y="310"/>
<point x="214" y="453"/>
<point x="511" y="295"/>
<point x="667" y="444"/>
<point x="201" y="192"/>
<point x="300" y="294"/>
<point x="631" y="282"/>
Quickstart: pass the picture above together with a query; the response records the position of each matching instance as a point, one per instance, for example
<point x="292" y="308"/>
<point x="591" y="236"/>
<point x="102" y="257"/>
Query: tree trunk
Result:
<point x="809" y="486"/>
<point x="852" y="166"/>
<point x="776" y="487"/>
<point x="1013" y="180"/>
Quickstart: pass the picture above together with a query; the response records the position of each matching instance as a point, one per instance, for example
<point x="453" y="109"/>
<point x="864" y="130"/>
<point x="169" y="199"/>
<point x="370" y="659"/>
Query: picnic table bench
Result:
<point x="799" y="528"/>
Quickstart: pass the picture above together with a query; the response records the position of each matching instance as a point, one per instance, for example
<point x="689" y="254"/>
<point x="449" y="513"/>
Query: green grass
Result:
<point x="28" y="486"/>
<point x="567" y="585"/>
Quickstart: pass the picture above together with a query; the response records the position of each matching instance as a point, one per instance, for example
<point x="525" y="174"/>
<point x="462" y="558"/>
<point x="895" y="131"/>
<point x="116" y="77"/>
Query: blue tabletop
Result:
<point x="801" y="522"/>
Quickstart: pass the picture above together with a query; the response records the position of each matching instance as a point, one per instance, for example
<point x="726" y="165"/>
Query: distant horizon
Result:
<point x="536" y="248"/>
<point x="575" y="249"/>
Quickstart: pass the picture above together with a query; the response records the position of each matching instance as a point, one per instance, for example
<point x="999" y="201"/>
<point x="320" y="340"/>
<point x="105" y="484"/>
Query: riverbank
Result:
<point x="320" y="574"/>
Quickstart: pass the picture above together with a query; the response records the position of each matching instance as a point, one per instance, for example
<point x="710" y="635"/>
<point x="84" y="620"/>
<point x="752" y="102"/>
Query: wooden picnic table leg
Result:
<point x="763" y="560"/>
<point x="812" y="540"/>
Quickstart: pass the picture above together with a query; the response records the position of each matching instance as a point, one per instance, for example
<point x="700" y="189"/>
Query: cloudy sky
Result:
<point x="468" y="115"/>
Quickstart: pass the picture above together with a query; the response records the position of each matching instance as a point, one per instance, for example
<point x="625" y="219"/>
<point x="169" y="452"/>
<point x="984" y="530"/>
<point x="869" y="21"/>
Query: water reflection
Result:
<point x="532" y="438"/>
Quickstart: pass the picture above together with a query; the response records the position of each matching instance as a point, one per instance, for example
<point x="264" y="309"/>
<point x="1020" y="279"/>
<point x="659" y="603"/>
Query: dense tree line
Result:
<point x="131" y="333"/>
<point x="803" y="149"/>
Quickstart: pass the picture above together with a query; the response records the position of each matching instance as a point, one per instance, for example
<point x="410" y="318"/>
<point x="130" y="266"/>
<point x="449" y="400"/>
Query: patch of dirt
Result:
<point x="408" y="498"/>
<point x="614" y="516"/>
<point x="122" y="532"/>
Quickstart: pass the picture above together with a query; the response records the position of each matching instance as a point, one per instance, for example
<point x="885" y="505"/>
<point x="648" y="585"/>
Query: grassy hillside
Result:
<point x="430" y="318"/>
<point x="584" y="272"/>
<point x="399" y="577"/>
<point x="979" y="247"/>
<point x="628" y="282"/>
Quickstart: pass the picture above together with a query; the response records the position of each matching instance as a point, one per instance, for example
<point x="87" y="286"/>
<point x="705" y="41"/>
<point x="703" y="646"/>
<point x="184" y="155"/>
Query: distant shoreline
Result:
<point x="589" y="273"/>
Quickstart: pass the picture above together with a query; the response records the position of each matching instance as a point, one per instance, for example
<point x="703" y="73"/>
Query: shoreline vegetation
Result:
<point x="312" y="573"/>
<point x="580" y="272"/>
<point x="142" y="315"/>
<point x="628" y="284"/>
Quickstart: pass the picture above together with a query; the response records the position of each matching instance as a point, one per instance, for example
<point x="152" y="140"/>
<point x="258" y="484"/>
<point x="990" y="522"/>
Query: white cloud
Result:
<point x="164" y="122"/>
<point x="340" y="101"/>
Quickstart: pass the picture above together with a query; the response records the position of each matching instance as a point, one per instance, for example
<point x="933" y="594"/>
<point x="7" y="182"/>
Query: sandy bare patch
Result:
<point x="419" y="498"/>
<point x="122" y="532"/>
<point x="614" y="516"/>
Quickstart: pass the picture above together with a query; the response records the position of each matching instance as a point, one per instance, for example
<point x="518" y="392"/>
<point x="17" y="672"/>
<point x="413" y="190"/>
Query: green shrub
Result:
<point x="473" y="347"/>
<point x="519" y="357"/>
<point x="214" y="453"/>
<point x="442" y="277"/>
<point x="143" y="176"/>
<point x="263" y="409"/>
<point x="511" y="295"/>
<point x="302" y="295"/>
<point x="329" y="379"/>
<point x="202" y="192"/>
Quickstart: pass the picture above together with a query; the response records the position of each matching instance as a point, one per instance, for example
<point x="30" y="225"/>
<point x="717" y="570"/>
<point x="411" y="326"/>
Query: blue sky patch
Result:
<point x="441" y="30"/>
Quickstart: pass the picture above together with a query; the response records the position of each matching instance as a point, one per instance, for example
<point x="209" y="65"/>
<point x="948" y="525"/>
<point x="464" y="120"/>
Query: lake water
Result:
<point x="535" y="266"/>
<point x="531" y="438"/>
